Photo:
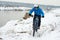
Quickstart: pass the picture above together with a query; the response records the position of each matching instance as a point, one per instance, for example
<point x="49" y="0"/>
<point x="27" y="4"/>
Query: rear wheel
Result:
<point x="36" y="30"/>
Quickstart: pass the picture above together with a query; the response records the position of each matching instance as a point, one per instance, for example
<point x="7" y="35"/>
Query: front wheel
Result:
<point x="33" y="32"/>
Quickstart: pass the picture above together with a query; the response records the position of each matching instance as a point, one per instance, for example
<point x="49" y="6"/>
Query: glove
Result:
<point x="42" y="16"/>
<point x="30" y="15"/>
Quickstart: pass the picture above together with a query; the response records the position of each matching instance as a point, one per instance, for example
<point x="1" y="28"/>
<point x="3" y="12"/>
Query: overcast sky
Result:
<point x="46" y="2"/>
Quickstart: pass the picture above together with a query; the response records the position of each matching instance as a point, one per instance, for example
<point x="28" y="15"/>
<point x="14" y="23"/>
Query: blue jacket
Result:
<point x="37" y="12"/>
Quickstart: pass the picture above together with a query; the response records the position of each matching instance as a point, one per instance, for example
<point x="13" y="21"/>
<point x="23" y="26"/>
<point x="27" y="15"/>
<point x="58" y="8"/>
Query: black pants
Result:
<point x="38" y="17"/>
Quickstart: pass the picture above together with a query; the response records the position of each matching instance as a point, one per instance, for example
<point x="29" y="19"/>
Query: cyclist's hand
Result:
<point x="42" y="16"/>
<point x="30" y="15"/>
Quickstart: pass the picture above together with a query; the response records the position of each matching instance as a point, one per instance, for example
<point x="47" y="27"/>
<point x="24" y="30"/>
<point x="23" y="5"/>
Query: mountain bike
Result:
<point x="35" y="26"/>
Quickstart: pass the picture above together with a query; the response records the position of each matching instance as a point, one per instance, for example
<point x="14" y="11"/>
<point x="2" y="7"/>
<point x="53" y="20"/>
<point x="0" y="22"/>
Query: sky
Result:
<point x="45" y="2"/>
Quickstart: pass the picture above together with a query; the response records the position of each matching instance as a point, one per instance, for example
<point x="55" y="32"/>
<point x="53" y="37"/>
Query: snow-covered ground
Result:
<point x="22" y="29"/>
<point x="12" y="8"/>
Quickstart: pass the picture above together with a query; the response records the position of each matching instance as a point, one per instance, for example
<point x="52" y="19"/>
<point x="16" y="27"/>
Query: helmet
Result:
<point x="36" y="5"/>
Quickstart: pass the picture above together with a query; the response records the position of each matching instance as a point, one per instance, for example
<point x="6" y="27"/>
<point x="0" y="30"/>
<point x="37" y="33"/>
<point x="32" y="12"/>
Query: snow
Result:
<point x="56" y="10"/>
<point x="22" y="29"/>
<point x="11" y="8"/>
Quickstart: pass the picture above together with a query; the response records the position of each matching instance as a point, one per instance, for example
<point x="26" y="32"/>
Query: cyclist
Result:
<point x="37" y="14"/>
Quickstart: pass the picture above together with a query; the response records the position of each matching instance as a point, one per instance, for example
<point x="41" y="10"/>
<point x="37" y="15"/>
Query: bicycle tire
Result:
<point x="33" y="32"/>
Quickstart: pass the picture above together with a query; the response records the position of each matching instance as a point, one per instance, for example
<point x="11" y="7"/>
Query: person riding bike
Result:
<point x="38" y="13"/>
